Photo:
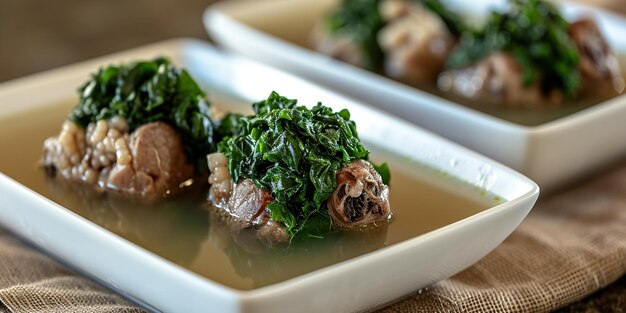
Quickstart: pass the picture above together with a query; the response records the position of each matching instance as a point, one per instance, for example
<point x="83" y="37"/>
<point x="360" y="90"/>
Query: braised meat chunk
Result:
<point x="497" y="79"/>
<point x="245" y="203"/>
<point x="404" y="39"/>
<point x="361" y="197"/>
<point x="159" y="164"/>
<point x="149" y="163"/>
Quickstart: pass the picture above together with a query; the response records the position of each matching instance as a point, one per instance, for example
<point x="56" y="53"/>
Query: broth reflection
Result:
<point x="265" y="266"/>
<point x="173" y="228"/>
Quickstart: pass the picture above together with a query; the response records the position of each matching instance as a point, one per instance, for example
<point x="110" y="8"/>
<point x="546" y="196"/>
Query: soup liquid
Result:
<point x="183" y="231"/>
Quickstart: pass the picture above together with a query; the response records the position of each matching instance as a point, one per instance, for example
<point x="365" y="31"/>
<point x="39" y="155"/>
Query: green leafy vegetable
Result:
<point x="384" y="172"/>
<point x="227" y="126"/>
<point x="536" y="35"/>
<point x="293" y="152"/>
<point x="150" y="91"/>
<point x="455" y="23"/>
<point x="361" y="21"/>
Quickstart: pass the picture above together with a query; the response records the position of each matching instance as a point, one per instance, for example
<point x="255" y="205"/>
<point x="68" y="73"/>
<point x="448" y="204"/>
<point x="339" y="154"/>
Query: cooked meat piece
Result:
<point x="245" y="212"/>
<point x="498" y="80"/>
<point x="338" y="46"/>
<point x="416" y="42"/>
<point x="148" y="164"/>
<point x="244" y="202"/>
<point x="599" y="66"/>
<point x="159" y="164"/>
<point x="248" y="202"/>
<point x="360" y="198"/>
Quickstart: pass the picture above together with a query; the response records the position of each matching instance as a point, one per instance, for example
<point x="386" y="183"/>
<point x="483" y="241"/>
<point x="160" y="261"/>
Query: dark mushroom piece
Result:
<point x="360" y="198"/>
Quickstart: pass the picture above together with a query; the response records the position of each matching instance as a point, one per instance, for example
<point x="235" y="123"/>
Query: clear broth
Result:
<point x="183" y="231"/>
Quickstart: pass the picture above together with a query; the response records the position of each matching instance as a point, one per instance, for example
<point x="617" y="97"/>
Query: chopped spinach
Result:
<point x="293" y="152"/>
<point x="536" y="34"/>
<point x="361" y="21"/>
<point x="150" y="91"/>
<point x="384" y="171"/>
<point x="455" y="23"/>
<point x="227" y="126"/>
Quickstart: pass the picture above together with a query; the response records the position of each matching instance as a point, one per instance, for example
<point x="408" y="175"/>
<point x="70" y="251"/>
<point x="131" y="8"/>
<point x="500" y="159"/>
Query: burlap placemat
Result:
<point x="32" y="282"/>
<point x="571" y="245"/>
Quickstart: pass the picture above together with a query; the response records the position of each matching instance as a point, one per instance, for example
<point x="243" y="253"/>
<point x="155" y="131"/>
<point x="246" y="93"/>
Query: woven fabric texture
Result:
<point x="571" y="245"/>
<point x="31" y="282"/>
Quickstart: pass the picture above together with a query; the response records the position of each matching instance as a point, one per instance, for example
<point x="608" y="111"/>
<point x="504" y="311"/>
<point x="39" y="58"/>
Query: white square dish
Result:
<point x="161" y="285"/>
<point x="275" y="32"/>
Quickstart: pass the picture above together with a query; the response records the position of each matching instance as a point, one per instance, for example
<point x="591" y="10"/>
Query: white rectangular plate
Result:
<point x="393" y="271"/>
<point x="551" y="153"/>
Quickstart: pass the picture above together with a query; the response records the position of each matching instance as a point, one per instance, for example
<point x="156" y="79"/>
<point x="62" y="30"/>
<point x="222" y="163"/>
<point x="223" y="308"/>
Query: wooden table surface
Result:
<point x="40" y="35"/>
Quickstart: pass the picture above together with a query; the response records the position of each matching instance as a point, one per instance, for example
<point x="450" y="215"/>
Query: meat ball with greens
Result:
<point x="139" y="131"/>
<point x="408" y="40"/>
<point x="527" y="56"/>
<point x="292" y="172"/>
<point x="530" y="56"/>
